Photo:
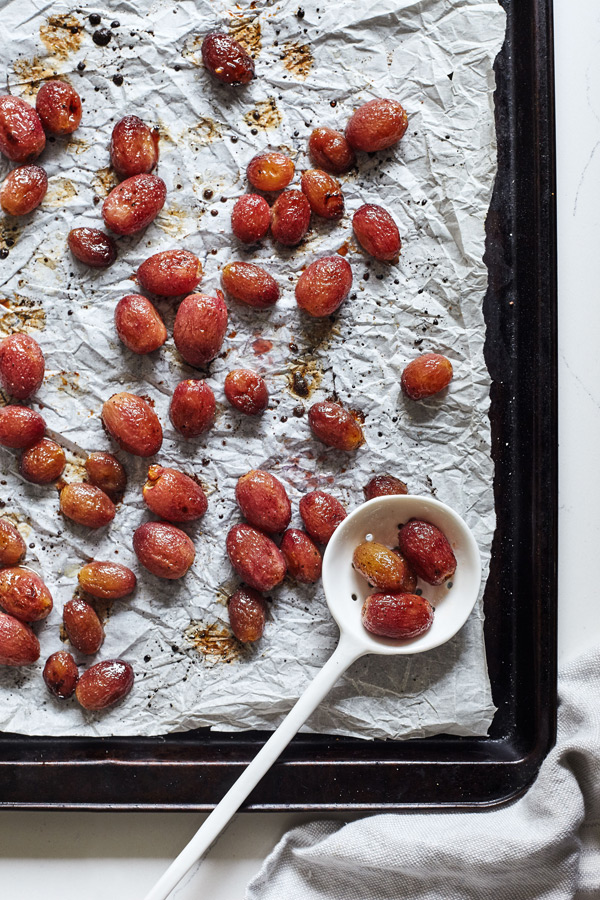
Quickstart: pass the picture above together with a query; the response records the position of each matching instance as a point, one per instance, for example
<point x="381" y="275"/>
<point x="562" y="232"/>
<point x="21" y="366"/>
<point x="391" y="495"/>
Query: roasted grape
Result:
<point x="250" y="218"/>
<point x="226" y="59"/>
<point x="22" y="366"/>
<point x="270" y="171"/>
<point x="246" y="391"/>
<point x="250" y="284"/>
<point x="139" y="324"/>
<point x="23" y="190"/>
<point x="200" y="327"/>
<point x="193" y="408"/>
<point x="134" y="204"/>
<point x="59" y="107"/>
<point x="170" y="273"/>
<point x="92" y="247"/>
<point x="133" y="147"/>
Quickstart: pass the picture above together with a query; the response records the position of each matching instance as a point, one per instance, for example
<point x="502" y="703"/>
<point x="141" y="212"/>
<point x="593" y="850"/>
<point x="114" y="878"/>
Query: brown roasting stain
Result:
<point x="21" y="314"/>
<point x="173" y="221"/>
<point x="192" y="50"/>
<point x="319" y="334"/>
<point x="62" y="633"/>
<point x="343" y="250"/>
<point x="165" y="135"/>
<point x="215" y="642"/>
<point x="205" y="131"/>
<point x="75" y="146"/>
<point x="60" y="191"/>
<point x="9" y="234"/>
<point x="104" y="180"/>
<point x="264" y="115"/>
<point x="64" y="381"/>
<point x="47" y="261"/>
<point x="32" y="72"/>
<point x="297" y="59"/>
<point x="62" y="35"/>
<point x="69" y="381"/>
<point x="246" y="31"/>
<point x="304" y="379"/>
<point x="74" y="472"/>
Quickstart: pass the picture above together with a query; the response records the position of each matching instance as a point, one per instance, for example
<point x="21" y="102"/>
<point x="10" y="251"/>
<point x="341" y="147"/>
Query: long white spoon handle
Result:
<point x="345" y="654"/>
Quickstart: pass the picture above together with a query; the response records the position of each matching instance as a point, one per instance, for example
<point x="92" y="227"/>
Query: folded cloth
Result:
<point x="544" y="845"/>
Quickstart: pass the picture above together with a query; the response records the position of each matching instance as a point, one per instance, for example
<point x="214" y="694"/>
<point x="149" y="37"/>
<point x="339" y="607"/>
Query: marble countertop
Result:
<point x="63" y="856"/>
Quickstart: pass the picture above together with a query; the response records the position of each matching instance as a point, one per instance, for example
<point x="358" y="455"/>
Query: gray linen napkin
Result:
<point x="545" y="845"/>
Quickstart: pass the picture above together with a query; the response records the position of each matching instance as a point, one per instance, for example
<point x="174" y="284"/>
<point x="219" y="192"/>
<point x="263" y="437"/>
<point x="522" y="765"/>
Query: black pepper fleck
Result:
<point x="80" y="66"/>
<point x="118" y="80"/>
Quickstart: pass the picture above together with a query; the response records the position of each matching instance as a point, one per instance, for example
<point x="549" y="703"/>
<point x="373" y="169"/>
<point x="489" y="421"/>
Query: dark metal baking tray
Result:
<point x="193" y="770"/>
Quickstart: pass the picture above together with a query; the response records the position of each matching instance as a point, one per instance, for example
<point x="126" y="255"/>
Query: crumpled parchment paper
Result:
<point x="314" y="66"/>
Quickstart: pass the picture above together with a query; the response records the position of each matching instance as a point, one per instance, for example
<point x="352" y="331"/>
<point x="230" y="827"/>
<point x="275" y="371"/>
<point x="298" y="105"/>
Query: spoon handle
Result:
<point x="344" y="655"/>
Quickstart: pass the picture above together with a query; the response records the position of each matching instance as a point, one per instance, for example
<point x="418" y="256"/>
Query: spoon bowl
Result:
<point x="378" y="520"/>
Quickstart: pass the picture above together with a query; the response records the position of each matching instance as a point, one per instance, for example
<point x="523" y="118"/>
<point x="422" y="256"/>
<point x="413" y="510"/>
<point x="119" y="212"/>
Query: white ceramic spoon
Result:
<point x="345" y="590"/>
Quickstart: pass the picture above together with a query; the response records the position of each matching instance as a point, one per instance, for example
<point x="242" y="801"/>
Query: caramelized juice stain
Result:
<point x="265" y="115"/>
<point x="76" y="146"/>
<point x="69" y="381"/>
<point x="205" y="131"/>
<point x="31" y="73"/>
<point x="215" y="642"/>
<point x="21" y="314"/>
<point x="297" y="59"/>
<point x="192" y="49"/>
<point x="9" y="233"/>
<point x="173" y="221"/>
<point x="246" y="31"/>
<point x="62" y="35"/>
<point x="304" y="379"/>
<point x="60" y="191"/>
<point x="104" y="180"/>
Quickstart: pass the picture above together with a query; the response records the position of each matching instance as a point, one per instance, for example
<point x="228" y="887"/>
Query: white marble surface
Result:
<point x="55" y="856"/>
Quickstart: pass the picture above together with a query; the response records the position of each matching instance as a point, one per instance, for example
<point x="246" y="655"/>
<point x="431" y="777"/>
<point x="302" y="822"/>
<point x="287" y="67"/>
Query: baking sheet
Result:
<point x="437" y="58"/>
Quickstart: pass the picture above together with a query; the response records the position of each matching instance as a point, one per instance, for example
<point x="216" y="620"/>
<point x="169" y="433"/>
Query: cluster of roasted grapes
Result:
<point x="396" y="610"/>
<point x="199" y="331"/>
